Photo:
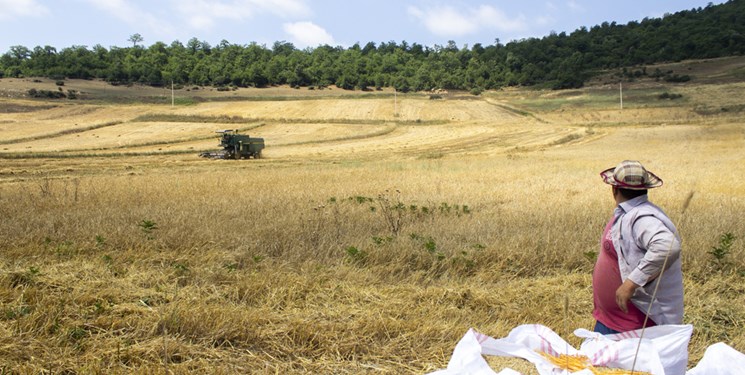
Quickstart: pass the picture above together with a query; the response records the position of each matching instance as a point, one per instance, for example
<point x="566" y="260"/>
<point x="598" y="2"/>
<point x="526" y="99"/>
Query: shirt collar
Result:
<point x="631" y="203"/>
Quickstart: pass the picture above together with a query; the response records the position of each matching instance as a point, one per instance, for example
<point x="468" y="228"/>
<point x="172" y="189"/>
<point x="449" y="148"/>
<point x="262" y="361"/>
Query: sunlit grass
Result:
<point x="129" y="263"/>
<point x="199" y="268"/>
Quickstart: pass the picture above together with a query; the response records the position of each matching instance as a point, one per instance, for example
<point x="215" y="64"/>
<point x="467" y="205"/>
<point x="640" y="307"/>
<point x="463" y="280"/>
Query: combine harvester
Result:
<point x="236" y="146"/>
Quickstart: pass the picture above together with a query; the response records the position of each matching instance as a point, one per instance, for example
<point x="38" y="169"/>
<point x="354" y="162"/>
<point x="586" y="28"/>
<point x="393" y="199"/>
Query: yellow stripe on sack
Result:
<point x="580" y="362"/>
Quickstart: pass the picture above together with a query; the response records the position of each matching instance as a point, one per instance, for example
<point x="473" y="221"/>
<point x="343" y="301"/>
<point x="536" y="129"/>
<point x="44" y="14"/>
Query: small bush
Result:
<point x="476" y="91"/>
<point x="60" y="83"/>
<point x="720" y="254"/>
<point x="45" y="94"/>
<point x="147" y="227"/>
<point x="435" y="97"/>
<point x="666" y="95"/>
<point x="356" y="255"/>
<point x="676" y="78"/>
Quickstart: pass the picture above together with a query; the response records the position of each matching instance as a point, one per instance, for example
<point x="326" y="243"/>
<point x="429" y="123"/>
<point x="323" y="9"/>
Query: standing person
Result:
<point x="634" y="246"/>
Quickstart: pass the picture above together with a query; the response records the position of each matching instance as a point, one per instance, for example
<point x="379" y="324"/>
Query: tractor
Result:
<point x="236" y="146"/>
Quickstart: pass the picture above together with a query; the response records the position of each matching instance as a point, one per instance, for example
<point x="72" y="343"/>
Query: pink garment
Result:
<point x="606" y="278"/>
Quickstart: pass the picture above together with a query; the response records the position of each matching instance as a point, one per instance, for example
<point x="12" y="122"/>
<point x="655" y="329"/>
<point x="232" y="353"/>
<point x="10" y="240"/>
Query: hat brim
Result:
<point x="608" y="178"/>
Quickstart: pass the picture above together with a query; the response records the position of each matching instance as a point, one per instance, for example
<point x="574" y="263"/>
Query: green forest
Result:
<point x="557" y="61"/>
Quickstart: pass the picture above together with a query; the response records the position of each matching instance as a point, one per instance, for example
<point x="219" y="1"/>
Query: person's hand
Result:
<point x="624" y="293"/>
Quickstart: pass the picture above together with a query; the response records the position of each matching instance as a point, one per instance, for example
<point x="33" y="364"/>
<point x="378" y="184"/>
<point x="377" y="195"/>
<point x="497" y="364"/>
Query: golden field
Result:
<point x="376" y="230"/>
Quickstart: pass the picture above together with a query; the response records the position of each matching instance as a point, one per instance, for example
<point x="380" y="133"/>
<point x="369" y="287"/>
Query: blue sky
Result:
<point x="308" y="23"/>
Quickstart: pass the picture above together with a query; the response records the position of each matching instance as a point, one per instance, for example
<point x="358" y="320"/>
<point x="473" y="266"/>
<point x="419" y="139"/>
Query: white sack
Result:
<point x="524" y="342"/>
<point x="663" y="350"/>
<point x="720" y="359"/>
<point x="467" y="358"/>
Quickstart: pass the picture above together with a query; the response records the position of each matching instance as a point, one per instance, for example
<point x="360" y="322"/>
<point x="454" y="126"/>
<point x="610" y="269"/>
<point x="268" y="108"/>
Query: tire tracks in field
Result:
<point x="146" y="144"/>
<point x="66" y="112"/>
<point x="66" y="132"/>
<point x="385" y="131"/>
<point x="493" y="140"/>
<point x="60" y="133"/>
<point x="70" y="111"/>
<point x="407" y="143"/>
<point x="514" y="111"/>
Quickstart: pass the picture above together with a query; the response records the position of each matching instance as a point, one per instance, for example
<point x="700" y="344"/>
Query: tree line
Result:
<point x="559" y="60"/>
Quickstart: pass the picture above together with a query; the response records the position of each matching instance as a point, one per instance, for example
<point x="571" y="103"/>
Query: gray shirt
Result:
<point x="643" y="237"/>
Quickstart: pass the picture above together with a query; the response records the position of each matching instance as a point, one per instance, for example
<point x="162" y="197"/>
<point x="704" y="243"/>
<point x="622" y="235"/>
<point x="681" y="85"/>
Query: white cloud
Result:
<point x="447" y="21"/>
<point x="132" y="15"/>
<point x="444" y="21"/>
<point x="23" y="8"/>
<point x="307" y="34"/>
<point x="544" y="21"/>
<point x="284" y="8"/>
<point x="117" y="8"/>
<point x="494" y="18"/>
<point x="574" y="6"/>
<point x="203" y="14"/>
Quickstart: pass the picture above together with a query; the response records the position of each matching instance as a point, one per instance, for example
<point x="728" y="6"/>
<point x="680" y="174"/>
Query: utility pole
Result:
<point x="395" y="102"/>
<point x="620" y="89"/>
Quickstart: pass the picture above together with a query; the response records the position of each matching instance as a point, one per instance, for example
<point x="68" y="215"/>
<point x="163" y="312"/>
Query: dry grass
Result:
<point x="298" y="264"/>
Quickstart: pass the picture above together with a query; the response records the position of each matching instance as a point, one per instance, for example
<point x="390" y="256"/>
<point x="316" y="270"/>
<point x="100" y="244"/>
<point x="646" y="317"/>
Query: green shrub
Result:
<point x="676" y="78"/>
<point x="45" y="94"/>
<point x="669" y="96"/>
<point x="720" y="253"/>
<point x="356" y="255"/>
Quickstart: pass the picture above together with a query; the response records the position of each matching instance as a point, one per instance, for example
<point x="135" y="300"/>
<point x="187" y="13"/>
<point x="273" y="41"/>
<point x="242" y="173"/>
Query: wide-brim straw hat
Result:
<point x="630" y="174"/>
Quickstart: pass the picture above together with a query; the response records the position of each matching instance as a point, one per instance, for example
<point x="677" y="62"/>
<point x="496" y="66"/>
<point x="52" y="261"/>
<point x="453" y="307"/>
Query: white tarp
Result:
<point x="662" y="351"/>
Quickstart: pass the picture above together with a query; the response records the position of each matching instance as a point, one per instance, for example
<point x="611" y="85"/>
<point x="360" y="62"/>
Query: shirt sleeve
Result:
<point x="657" y="240"/>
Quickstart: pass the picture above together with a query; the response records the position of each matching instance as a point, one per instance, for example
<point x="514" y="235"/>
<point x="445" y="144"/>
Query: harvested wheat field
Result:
<point x="374" y="232"/>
